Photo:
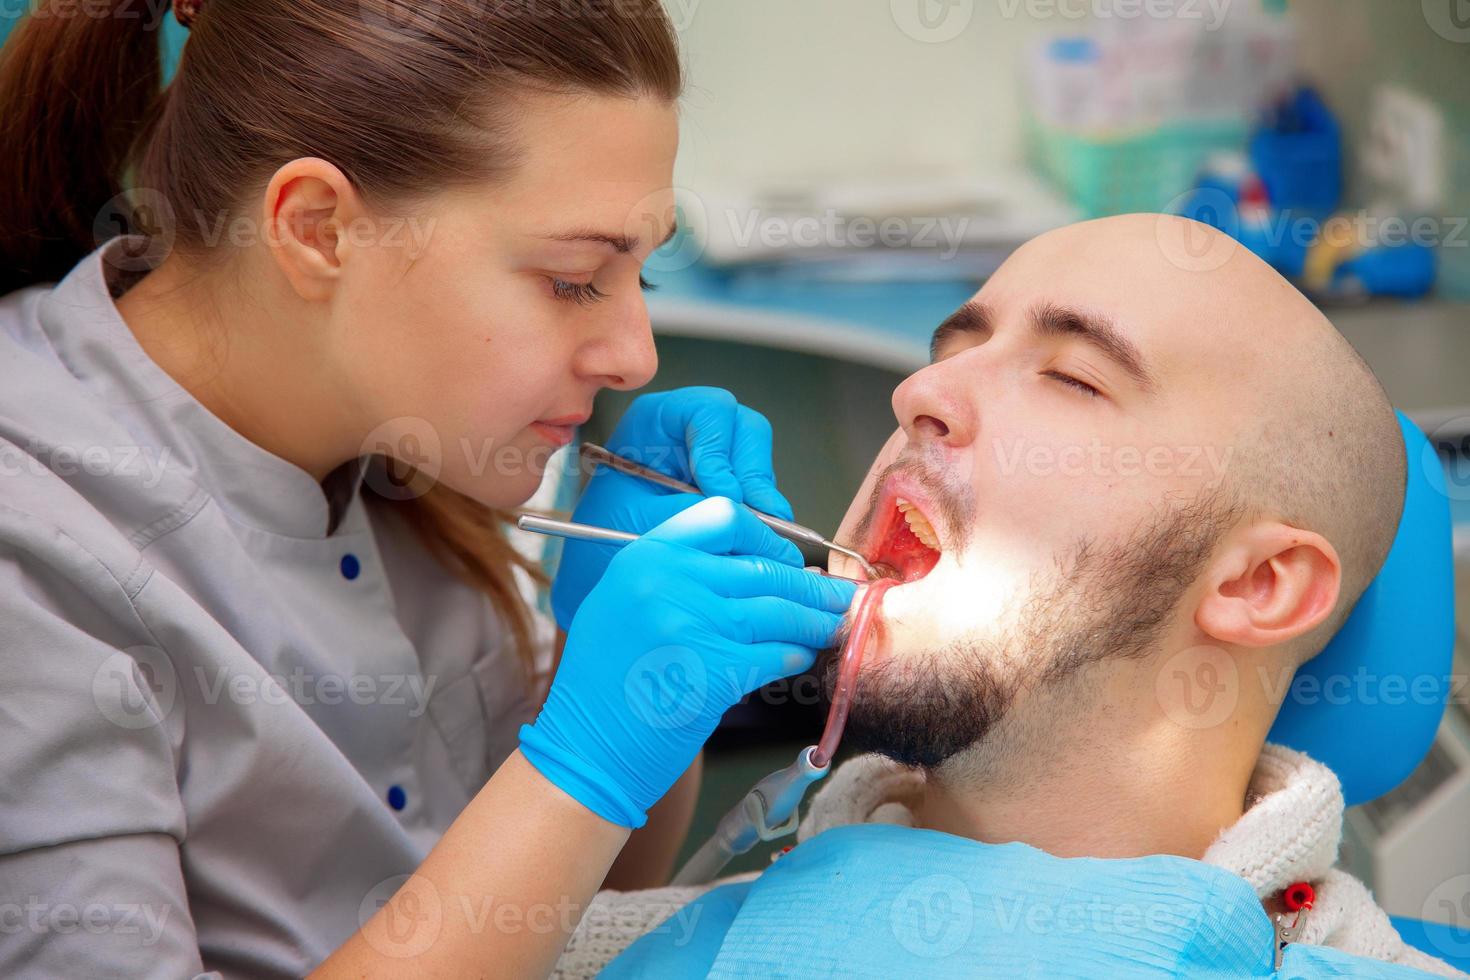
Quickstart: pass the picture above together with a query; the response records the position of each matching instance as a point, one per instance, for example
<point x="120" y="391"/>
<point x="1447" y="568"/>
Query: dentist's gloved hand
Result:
<point x="699" y="612"/>
<point x="702" y="436"/>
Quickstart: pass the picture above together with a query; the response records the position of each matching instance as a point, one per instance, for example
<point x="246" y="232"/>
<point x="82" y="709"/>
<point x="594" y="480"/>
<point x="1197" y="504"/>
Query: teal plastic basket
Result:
<point x="1123" y="171"/>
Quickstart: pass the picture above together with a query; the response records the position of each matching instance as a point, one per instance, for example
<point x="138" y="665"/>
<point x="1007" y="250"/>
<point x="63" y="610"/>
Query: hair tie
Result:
<point x="186" y="10"/>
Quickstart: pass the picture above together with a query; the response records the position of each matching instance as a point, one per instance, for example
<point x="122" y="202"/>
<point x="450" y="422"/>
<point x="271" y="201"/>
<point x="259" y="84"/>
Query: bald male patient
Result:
<point x="1138" y="453"/>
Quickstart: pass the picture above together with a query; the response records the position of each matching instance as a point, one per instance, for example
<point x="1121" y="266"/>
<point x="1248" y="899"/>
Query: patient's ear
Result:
<point x="1269" y="583"/>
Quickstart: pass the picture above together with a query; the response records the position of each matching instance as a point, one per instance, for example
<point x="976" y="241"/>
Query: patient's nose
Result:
<point x="932" y="407"/>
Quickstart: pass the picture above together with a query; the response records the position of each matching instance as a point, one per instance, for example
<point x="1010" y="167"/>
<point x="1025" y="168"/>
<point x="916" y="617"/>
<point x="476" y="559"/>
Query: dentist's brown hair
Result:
<point x="406" y="97"/>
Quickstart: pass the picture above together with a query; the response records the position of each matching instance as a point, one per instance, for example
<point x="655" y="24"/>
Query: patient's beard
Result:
<point x="1106" y="603"/>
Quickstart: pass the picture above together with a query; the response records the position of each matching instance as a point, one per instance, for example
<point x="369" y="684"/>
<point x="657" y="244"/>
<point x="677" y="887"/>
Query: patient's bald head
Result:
<point x="1137" y="434"/>
<point x="1314" y="441"/>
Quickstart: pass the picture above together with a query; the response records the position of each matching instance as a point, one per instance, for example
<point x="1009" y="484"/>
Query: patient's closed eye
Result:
<point x="1072" y="382"/>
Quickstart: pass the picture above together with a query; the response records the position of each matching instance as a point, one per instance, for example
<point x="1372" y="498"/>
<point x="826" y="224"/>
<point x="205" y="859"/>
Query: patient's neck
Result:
<point x="1097" y="768"/>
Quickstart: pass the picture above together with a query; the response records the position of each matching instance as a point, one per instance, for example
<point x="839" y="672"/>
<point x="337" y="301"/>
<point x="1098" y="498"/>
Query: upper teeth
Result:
<point x="919" y="524"/>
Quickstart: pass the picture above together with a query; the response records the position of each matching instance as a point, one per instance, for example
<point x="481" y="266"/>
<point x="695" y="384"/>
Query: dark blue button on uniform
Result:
<point x="350" y="567"/>
<point x="397" y="798"/>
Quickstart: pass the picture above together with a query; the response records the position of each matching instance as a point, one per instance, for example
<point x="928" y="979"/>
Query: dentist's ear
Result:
<point x="306" y="208"/>
<point x="1268" y="584"/>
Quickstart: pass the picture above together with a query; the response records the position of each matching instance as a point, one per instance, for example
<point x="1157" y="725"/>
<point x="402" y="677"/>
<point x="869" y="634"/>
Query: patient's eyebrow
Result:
<point x="1051" y="321"/>
<point x="973" y="317"/>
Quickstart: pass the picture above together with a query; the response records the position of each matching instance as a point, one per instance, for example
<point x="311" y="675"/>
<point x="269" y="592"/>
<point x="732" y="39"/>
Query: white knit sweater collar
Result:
<point x="1289" y="833"/>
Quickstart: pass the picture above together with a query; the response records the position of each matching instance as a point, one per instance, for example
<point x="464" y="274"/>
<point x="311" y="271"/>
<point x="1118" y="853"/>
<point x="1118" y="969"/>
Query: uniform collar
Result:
<point x="254" y="486"/>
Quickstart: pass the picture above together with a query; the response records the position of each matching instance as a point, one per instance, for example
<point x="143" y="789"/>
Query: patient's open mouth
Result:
<point x="904" y="544"/>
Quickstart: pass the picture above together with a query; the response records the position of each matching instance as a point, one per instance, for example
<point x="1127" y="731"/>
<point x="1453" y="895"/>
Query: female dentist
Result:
<point x="264" y="704"/>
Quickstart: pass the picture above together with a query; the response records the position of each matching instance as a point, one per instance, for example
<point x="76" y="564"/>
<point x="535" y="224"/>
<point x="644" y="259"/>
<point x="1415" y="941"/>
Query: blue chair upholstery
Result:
<point x="1448" y="943"/>
<point x="1369" y="704"/>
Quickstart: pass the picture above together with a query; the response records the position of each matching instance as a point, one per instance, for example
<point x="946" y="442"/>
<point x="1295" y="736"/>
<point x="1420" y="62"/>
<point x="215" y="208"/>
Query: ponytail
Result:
<point x="77" y="89"/>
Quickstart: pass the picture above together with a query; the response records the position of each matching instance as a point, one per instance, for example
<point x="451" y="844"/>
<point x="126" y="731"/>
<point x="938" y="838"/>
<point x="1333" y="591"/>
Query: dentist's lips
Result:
<point x="903" y="537"/>
<point x="559" y="431"/>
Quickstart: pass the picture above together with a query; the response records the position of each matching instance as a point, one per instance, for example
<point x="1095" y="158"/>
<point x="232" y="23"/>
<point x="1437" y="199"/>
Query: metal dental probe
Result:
<point x="591" y="532"/>
<point x="787" y="529"/>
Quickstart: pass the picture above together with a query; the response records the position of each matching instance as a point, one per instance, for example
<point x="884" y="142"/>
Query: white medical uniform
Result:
<point x="236" y="705"/>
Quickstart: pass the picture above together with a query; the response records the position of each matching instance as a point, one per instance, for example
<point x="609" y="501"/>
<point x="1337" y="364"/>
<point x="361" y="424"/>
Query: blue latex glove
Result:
<point x="699" y="612"/>
<point x="702" y="436"/>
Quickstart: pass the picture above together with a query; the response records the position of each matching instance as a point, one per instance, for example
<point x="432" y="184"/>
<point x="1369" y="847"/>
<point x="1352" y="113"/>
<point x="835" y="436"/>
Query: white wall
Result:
<point x="804" y="89"/>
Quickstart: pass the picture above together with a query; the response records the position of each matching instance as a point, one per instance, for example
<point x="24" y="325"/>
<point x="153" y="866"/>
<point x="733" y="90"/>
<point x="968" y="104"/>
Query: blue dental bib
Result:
<point x="875" y="900"/>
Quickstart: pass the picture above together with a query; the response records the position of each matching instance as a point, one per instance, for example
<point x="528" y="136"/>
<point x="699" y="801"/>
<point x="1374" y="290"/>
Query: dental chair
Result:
<point x="1403" y="627"/>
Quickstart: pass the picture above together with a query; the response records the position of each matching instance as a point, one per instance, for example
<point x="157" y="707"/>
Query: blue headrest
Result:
<point x="1369" y="704"/>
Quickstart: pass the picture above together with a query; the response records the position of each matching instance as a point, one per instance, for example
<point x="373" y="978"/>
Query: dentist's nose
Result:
<point x="933" y="405"/>
<point x="623" y="357"/>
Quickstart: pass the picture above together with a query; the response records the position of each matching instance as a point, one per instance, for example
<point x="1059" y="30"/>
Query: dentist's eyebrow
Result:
<point x="972" y="318"/>
<point x="1100" y="333"/>
<point x="622" y="244"/>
